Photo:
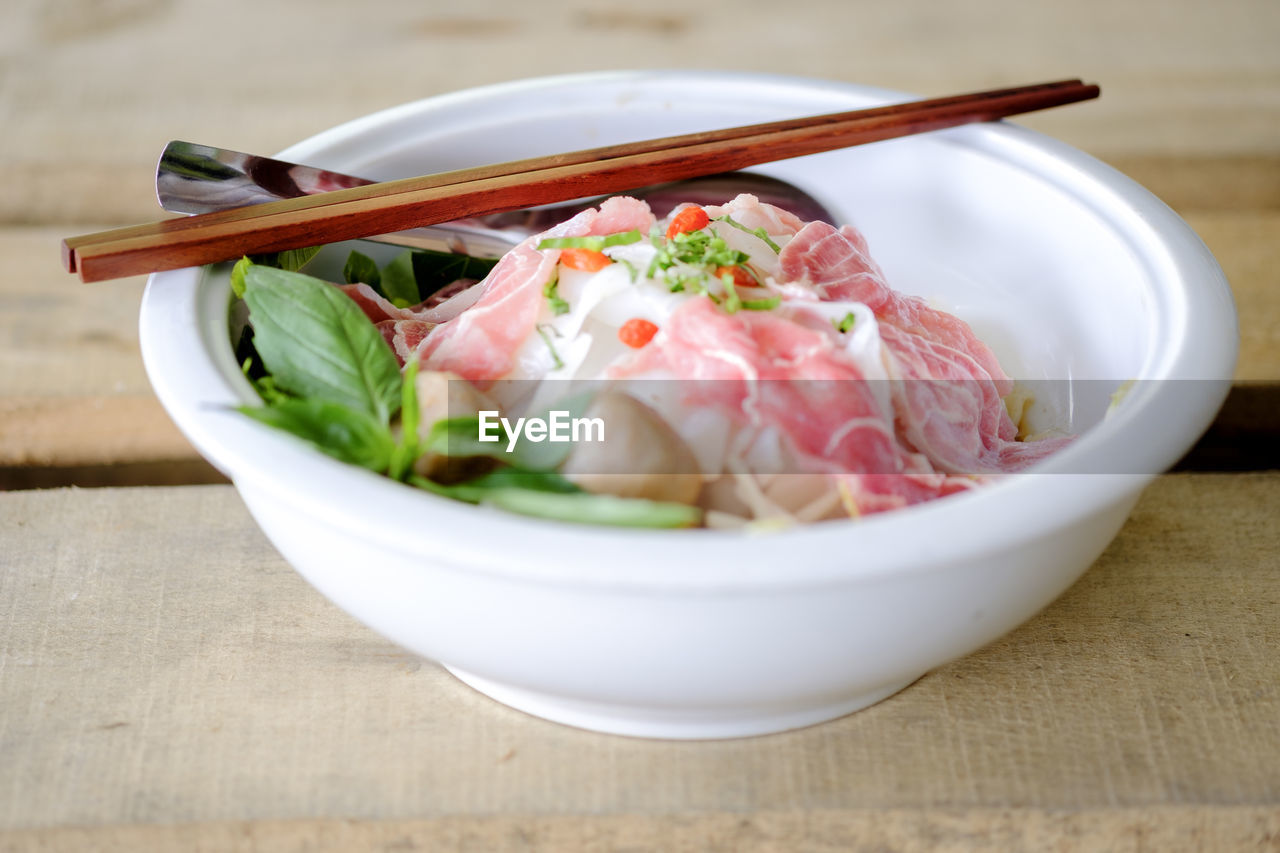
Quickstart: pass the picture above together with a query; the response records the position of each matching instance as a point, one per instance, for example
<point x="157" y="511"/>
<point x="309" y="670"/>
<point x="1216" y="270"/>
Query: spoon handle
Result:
<point x="195" y="178"/>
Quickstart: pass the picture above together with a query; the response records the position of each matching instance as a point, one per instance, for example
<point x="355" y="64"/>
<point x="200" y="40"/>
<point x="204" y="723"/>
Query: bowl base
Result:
<point x="672" y="723"/>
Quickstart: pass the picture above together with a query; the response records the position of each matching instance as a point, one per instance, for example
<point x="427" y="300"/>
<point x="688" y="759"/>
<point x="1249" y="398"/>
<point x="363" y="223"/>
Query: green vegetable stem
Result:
<point x="327" y="376"/>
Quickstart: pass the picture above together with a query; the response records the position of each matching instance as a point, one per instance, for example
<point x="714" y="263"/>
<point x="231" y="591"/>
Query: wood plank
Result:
<point x="763" y="831"/>
<point x="100" y="88"/>
<point x="87" y="430"/>
<point x="1247" y="245"/>
<point x="198" y="683"/>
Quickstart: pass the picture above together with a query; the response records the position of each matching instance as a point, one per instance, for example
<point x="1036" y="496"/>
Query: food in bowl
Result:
<point x="727" y="366"/>
<point x="1065" y="268"/>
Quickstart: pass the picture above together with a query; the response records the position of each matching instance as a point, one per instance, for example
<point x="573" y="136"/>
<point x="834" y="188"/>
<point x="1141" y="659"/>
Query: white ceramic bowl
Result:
<point x="1067" y="268"/>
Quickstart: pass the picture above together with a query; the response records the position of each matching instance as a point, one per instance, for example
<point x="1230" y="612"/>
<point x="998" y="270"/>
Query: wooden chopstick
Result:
<point x="397" y="205"/>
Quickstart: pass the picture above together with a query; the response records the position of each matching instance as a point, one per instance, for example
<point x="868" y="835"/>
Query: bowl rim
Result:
<point x="196" y="393"/>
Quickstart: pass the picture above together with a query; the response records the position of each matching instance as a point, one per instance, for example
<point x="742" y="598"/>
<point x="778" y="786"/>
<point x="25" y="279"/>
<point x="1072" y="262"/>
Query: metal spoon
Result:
<point x="193" y="178"/>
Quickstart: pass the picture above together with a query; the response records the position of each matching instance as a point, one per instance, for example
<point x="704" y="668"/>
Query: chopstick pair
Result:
<point x="391" y="206"/>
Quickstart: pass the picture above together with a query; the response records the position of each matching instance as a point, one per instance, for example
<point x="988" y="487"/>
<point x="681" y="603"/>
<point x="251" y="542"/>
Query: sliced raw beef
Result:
<point x="480" y="344"/>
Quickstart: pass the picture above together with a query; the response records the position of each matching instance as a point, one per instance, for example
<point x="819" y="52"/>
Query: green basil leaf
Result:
<point x="237" y="276"/>
<point x="520" y="478"/>
<point x="316" y="342"/>
<point x="585" y="508"/>
<point x="344" y="433"/>
<point x="543" y="494"/>
<point x="460" y="438"/>
<point x="500" y="479"/>
<point x="361" y="268"/>
<point x="398" y="282"/>
<point x="407" y="449"/>
<point x="433" y="270"/>
<point x="291" y="260"/>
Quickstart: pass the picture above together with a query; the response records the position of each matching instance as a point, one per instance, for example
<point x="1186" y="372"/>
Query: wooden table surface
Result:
<point x="168" y="682"/>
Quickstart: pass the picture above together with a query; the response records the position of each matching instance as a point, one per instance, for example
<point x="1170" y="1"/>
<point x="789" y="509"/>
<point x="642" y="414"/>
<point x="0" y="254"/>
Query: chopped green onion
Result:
<point x="731" y="301"/>
<point x="756" y="232"/>
<point x="631" y="268"/>
<point x="767" y="304"/>
<point x="558" y="306"/>
<point x="555" y="356"/>
<point x="592" y="242"/>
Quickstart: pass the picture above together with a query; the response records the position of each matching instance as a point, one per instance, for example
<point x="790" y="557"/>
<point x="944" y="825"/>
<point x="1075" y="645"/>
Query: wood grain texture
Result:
<point x="767" y="831"/>
<point x="199" y="688"/>
<point x="168" y="683"/>
<point x="93" y="90"/>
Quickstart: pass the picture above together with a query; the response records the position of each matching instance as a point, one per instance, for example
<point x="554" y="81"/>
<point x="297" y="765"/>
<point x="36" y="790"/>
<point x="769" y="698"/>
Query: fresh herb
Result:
<point x="290" y="259"/>
<point x="434" y="270"/>
<point x="687" y="259"/>
<point x="332" y="381"/>
<point x="768" y="303"/>
<point x="527" y="483"/>
<point x="731" y="302"/>
<point x="631" y="268"/>
<point x="755" y="232"/>
<point x="550" y="496"/>
<point x="330" y="377"/>
<point x="595" y="243"/>
<point x="558" y="306"/>
<point x="587" y="508"/>
<point x="237" y="276"/>
<point x="555" y="356"/>
<point x="407" y="451"/>
<point x="342" y="432"/>
<point x="845" y="323"/>
<point x="460" y="438"/>
<point x="399" y="284"/>
<point x="477" y="489"/>
<point x="265" y="384"/>
<point x="412" y="276"/>
<point x="361" y="268"/>
<point x="706" y="249"/>
<point x="316" y="342"/>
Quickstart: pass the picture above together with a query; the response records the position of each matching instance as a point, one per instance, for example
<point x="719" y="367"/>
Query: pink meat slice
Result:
<point x="435" y="310"/>
<point x="405" y="328"/>
<point x="480" y="344"/>
<point x="950" y="387"/>
<point x="751" y="213"/>
<point x="763" y="367"/>
<point x="951" y="412"/>
<point x="839" y="267"/>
